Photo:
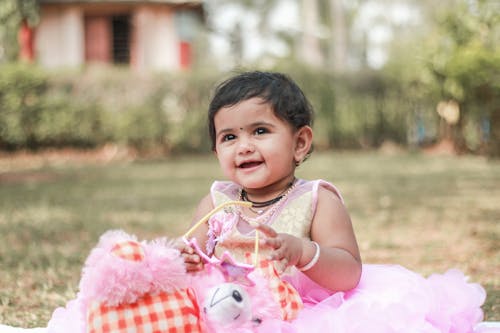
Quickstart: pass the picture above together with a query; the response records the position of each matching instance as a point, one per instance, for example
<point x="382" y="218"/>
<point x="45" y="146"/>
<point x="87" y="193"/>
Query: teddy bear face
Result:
<point x="227" y="304"/>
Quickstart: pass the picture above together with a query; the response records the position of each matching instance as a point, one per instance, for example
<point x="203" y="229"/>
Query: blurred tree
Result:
<point x="237" y="34"/>
<point x="338" y="40"/>
<point x="12" y="14"/>
<point x="465" y="61"/>
<point x="310" y="49"/>
<point x="327" y="33"/>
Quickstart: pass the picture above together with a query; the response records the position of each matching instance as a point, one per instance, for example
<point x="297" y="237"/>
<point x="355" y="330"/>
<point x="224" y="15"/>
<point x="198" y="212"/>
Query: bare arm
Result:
<point x="339" y="265"/>
<point x="193" y="260"/>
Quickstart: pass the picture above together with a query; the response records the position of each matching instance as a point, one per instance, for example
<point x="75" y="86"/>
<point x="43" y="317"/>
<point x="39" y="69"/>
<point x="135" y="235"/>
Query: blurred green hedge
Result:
<point x="40" y="109"/>
<point x="166" y="112"/>
<point x="35" y="113"/>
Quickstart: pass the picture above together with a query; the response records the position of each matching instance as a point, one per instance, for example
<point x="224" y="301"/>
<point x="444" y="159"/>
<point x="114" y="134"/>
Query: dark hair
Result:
<point x="285" y="97"/>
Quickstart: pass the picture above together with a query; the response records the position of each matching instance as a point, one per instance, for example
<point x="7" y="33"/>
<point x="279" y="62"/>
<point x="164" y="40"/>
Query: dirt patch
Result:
<point x="390" y="148"/>
<point x="26" y="160"/>
<point x="26" y="177"/>
<point x="442" y="148"/>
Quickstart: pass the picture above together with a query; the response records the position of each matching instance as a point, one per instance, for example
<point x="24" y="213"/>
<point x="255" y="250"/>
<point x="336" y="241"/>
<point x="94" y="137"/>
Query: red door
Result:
<point x="98" y="39"/>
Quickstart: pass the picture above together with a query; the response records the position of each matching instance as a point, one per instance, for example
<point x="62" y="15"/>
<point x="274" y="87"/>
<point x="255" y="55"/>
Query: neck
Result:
<point x="260" y="204"/>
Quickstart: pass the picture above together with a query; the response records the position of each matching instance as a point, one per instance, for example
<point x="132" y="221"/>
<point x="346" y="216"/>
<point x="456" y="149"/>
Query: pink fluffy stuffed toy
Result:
<point x="126" y="283"/>
<point x="121" y="269"/>
<point x="234" y="307"/>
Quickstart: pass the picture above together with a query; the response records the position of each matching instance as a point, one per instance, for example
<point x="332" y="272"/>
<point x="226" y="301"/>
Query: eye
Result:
<point x="228" y="137"/>
<point x="261" y="130"/>
<point x="237" y="296"/>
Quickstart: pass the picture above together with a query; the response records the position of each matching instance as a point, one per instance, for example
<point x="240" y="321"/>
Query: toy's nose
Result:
<point x="237" y="296"/>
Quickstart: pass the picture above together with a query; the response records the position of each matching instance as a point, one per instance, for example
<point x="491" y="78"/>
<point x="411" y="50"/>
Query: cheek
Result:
<point x="224" y="158"/>
<point x="280" y="159"/>
<point x="226" y="168"/>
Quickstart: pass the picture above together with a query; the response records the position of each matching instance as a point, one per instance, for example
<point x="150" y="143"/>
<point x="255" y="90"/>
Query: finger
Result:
<point x="276" y="243"/>
<point x="195" y="258"/>
<point x="273" y="256"/>
<point x="179" y="243"/>
<point x="284" y="262"/>
<point x="267" y="230"/>
<point x="191" y="258"/>
<point x="273" y="243"/>
<point x="194" y="267"/>
<point x="188" y="250"/>
<point x="276" y="256"/>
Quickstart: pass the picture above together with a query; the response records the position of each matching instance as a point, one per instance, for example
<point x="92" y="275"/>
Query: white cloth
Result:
<point x="11" y="329"/>
<point x="487" y="327"/>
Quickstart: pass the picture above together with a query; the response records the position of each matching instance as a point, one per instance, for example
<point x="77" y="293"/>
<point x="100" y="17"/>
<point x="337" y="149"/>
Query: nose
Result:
<point x="245" y="145"/>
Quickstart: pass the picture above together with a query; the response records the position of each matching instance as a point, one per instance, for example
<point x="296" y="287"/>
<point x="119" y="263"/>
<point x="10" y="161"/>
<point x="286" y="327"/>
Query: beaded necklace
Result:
<point x="263" y="216"/>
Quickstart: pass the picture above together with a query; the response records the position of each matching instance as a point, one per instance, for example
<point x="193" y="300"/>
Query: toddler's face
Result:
<point x="255" y="148"/>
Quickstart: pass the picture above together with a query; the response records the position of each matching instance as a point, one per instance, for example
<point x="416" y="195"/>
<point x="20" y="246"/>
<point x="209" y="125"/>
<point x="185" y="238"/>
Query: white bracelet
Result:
<point x="313" y="261"/>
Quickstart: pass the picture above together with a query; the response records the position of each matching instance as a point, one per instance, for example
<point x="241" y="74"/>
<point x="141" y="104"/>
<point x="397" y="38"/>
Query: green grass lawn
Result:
<point x="426" y="213"/>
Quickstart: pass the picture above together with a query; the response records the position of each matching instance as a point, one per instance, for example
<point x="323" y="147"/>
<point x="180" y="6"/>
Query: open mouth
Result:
<point x="251" y="164"/>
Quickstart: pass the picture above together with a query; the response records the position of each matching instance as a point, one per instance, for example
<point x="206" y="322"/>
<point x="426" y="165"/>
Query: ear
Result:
<point x="303" y="142"/>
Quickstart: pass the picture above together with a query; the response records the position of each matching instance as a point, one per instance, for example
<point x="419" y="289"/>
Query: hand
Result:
<point x="191" y="258"/>
<point x="286" y="248"/>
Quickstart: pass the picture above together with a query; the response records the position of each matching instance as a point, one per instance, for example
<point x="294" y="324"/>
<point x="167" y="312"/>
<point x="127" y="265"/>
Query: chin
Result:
<point x="251" y="184"/>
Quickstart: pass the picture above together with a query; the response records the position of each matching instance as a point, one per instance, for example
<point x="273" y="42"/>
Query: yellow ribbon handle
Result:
<point x="256" y="251"/>
<point x="212" y="212"/>
<point x="215" y="210"/>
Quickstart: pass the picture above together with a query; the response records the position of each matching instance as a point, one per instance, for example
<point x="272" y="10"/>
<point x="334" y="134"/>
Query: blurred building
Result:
<point x="146" y="35"/>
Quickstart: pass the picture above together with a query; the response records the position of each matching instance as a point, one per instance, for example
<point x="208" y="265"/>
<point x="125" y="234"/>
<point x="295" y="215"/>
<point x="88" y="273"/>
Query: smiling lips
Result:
<point x="250" y="164"/>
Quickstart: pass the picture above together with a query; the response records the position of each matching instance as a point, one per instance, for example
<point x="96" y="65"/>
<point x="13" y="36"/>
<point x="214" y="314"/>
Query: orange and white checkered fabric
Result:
<point x="283" y="292"/>
<point x="177" y="312"/>
<point x="129" y="250"/>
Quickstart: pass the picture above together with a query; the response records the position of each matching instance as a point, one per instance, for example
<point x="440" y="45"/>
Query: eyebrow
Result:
<point x="252" y="125"/>
<point x="223" y="131"/>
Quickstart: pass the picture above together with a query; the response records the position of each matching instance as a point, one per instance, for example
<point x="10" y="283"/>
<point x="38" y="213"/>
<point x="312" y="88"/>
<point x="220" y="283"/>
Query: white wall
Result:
<point x="59" y="39"/>
<point x="157" y="46"/>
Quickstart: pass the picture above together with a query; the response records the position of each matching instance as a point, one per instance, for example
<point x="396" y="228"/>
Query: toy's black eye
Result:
<point x="237" y="296"/>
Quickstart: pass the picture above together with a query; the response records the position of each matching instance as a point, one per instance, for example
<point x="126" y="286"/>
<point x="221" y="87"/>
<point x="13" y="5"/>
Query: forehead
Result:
<point x="245" y="111"/>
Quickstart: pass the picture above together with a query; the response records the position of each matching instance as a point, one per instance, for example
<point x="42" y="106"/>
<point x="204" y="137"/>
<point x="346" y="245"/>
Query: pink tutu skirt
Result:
<point x="389" y="298"/>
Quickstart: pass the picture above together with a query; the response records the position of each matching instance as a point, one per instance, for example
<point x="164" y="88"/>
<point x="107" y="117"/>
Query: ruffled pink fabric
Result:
<point x="388" y="299"/>
<point x="70" y="318"/>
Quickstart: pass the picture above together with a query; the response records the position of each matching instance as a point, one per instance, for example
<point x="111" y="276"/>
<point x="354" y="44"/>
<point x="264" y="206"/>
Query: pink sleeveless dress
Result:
<point x="388" y="298"/>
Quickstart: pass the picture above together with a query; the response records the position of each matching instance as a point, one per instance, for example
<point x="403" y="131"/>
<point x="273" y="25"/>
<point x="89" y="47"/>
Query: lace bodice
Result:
<point x="292" y="215"/>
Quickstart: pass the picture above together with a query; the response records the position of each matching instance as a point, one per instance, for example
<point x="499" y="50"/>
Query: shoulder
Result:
<point x="329" y="201"/>
<point x="321" y="192"/>
<point x="331" y="223"/>
<point x="327" y="189"/>
<point x="204" y="206"/>
<point x="224" y="187"/>
<point x="222" y="191"/>
<point x="218" y="190"/>
<point x="318" y="185"/>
